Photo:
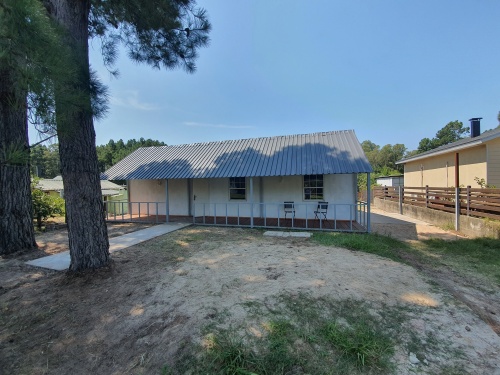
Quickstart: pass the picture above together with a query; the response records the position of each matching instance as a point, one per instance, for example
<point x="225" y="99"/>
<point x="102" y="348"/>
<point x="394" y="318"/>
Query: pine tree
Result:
<point x="161" y="33"/>
<point x="30" y="53"/>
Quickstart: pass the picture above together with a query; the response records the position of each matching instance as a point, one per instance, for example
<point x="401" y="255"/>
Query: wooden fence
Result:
<point x="472" y="201"/>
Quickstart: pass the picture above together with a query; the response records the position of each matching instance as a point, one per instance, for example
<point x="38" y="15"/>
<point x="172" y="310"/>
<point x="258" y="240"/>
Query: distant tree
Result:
<point x="45" y="161"/>
<point x="112" y="152"/>
<point x="389" y="155"/>
<point x="385" y="158"/>
<point x="451" y="132"/>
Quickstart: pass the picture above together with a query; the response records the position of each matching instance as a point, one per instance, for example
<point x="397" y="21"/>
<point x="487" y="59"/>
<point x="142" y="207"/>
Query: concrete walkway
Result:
<point x="61" y="261"/>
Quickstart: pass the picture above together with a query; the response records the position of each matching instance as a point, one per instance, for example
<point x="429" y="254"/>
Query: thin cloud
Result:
<point x="221" y="126"/>
<point x="131" y="100"/>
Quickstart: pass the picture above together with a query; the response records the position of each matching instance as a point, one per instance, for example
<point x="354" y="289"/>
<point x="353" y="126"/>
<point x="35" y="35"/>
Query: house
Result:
<point x="456" y="164"/>
<point x="395" y="180"/>
<point x="55" y="187"/>
<point x="232" y="181"/>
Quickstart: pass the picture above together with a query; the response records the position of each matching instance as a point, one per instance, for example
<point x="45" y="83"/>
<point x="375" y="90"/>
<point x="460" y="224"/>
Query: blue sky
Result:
<point x="394" y="71"/>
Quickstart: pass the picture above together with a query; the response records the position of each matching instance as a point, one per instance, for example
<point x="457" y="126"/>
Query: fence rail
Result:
<point x="336" y="217"/>
<point x="471" y="201"/>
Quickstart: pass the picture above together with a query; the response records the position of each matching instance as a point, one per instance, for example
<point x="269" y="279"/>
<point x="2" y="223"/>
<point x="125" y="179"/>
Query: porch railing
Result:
<point x="338" y="217"/>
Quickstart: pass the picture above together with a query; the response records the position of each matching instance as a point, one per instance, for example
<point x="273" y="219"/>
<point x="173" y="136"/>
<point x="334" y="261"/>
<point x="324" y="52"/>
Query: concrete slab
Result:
<point x="57" y="262"/>
<point x="61" y="261"/>
<point x="273" y="233"/>
<point x="378" y="216"/>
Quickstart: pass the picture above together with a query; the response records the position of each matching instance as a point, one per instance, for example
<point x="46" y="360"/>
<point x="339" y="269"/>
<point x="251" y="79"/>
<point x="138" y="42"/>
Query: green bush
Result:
<point x="45" y="205"/>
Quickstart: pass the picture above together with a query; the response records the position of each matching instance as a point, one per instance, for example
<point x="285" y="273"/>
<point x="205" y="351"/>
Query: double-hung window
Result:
<point x="313" y="187"/>
<point x="237" y="188"/>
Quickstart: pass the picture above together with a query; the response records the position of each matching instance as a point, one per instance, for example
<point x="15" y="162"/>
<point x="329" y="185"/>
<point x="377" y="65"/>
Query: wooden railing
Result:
<point x="472" y="201"/>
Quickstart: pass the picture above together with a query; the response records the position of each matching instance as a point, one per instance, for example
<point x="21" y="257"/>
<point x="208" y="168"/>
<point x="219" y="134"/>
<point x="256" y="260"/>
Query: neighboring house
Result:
<point x="55" y="187"/>
<point x="247" y="177"/>
<point x="458" y="163"/>
<point x="395" y="180"/>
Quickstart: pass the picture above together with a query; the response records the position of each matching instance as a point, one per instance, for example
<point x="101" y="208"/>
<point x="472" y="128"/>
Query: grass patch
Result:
<point x="367" y="242"/>
<point x="298" y="335"/>
<point x="479" y="255"/>
<point x="359" y="342"/>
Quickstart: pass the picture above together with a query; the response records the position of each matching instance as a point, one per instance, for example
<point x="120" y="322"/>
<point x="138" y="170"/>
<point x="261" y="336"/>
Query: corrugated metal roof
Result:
<point x="318" y="153"/>
<point x="56" y="184"/>
<point x="455" y="146"/>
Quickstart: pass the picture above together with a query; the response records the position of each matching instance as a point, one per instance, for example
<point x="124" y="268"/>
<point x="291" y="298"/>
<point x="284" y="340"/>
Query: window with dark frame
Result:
<point x="313" y="187"/>
<point x="237" y="188"/>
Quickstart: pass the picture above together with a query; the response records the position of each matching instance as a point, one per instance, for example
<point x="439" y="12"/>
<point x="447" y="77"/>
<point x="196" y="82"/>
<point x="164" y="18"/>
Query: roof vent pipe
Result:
<point x="475" y="126"/>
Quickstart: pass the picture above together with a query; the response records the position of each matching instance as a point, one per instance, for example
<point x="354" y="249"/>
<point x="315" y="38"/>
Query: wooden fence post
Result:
<point x="457" y="208"/>
<point x="400" y="200"/>
<point x="468" y="200"/>
<point x="426" y="196"/>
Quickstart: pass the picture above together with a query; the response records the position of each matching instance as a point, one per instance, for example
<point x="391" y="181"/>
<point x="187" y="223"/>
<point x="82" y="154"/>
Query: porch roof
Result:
<point x="332" y="152"/>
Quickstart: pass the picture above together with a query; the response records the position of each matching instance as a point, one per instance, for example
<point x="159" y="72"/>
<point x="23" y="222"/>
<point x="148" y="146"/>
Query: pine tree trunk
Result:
<point x="16" y="208"/>
<point x="87" y="232"/>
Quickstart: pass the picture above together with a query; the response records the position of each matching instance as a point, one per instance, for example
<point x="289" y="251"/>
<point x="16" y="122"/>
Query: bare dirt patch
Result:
<point x="160" y="296"/>
<point x="470" y="290"/>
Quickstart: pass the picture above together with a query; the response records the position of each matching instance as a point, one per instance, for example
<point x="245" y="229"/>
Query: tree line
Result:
<point x="45" y="163"/>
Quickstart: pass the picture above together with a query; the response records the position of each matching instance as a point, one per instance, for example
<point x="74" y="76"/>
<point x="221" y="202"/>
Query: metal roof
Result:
<point x="455" y="146"/>
<point x="56" y="184"/>
<point x="303" y="154"/>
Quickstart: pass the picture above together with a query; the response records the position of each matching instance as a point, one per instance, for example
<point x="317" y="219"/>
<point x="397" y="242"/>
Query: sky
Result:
<point x="393" y="71"/>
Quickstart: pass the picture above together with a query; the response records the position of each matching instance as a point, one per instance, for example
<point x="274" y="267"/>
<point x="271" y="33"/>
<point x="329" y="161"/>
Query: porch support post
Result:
<point x="166" y="201"/>
<point x="368" y="203"/>
<point x="251" y="202"/>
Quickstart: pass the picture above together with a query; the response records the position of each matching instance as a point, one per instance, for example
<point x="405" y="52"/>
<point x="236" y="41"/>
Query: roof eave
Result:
<point x="445" y="151"/>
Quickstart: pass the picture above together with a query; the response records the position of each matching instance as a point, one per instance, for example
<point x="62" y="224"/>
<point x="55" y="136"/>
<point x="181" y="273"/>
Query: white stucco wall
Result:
<point x="269" y="193"/>
<point x="212" y="196"/>
<point x="155" y="191"/>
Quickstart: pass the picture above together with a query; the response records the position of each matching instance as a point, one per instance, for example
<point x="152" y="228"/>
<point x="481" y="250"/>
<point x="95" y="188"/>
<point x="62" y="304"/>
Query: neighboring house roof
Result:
<point x="455" y="146"/>
<point x="318" y="153"/>
<point x="56" y="184"/>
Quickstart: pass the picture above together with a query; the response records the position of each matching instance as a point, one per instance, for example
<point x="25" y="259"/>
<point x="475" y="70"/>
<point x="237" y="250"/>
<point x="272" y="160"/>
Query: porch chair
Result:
<point x="289" y="208"/>
<point x="321" y="211"/>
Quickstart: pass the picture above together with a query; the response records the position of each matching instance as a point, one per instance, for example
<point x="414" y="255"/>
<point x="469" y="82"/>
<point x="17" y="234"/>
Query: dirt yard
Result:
<point x="158" y="297"/>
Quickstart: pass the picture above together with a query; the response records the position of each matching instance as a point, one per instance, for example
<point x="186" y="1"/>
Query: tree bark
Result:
<point x="16" y="208"/>
<point x="87" y="232"/>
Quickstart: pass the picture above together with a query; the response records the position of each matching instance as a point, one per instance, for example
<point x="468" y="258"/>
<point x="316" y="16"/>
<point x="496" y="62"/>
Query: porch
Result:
<point x="336" y="217"/>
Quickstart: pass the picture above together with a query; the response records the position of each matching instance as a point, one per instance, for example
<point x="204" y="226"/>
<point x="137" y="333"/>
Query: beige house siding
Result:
<point x="439" y="171"/>
<point x="493" y="150"/>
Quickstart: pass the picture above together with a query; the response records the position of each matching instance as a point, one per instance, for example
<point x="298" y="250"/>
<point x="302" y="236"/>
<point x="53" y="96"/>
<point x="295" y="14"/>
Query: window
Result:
<point x="313" y="187"/>
<point x="237" y="188"/>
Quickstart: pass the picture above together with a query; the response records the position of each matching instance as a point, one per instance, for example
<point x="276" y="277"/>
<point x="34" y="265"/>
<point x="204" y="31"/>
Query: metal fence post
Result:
<point x="368" y="209"/>
<point x="251" y="202"/>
